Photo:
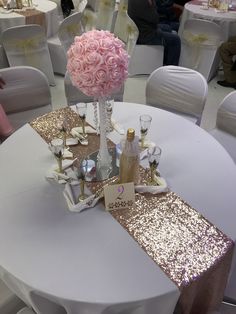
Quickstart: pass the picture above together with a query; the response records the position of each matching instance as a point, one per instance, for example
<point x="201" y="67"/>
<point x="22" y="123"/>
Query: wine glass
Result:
<point x="80" y="170"/>
<point x="81" y="109"/>
<point x="145" y="122"/>
<point x="154" y="155"/>
<point x="64" y="127"/>
<point x="57" y="148"/>
<point x="84" y="169"/>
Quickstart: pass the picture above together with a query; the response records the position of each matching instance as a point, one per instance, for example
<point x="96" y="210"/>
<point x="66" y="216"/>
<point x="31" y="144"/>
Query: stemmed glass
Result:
<point x="145" y="122"/>
<point x="81" y="170"/>
<point x="81" y="109"/>
<point x="154" y="155"/>
<point x="5" y="4"/>
<point x="57" y="148"/>
<point x="64" y="127"/>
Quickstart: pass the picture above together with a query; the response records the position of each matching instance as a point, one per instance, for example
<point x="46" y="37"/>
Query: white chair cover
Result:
<point x="9" y="302"/>
<point x="225" y="131"/>
<point x="146" y="59"/>
<point x="127" y="31"/>
<point x="3" y="58"/>
<point x="27" y="45"/>
<point x="80" y="5"/>
<point x="57" y="54"/>
<point x="89" y="19"/>
<point x="125" y="28"/>
<point x="179" y="90"/>
<point x="74" y="95"/>
<point x="105" y="14"/>
<point x="69" y="28"/>
<point x="26" y="94"/>
<point x="26" y="310"/>
<point x="200" y="42"/>
<point x="93" y="4"/>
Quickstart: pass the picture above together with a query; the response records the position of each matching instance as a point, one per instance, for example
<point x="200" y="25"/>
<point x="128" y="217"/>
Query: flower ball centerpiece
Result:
<point x="98" y="66"/>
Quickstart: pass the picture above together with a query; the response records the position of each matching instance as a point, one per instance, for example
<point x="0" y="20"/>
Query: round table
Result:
<point x="48" y="7"/>
<point x="194" y="9"/>
<point x="86" y="262"/>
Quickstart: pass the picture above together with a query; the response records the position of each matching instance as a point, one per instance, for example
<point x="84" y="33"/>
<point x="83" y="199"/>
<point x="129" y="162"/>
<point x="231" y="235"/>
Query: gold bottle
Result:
<point x="129" y="159"/>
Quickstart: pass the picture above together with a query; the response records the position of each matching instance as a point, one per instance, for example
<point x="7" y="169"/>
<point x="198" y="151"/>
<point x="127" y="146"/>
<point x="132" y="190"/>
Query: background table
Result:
<point x="87" y="262"/>
<point x="226" y="20"/>
<point x="48" y="7"/>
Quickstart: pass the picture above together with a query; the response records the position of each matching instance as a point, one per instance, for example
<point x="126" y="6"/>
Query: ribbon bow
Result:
<point x="72" y="30"/>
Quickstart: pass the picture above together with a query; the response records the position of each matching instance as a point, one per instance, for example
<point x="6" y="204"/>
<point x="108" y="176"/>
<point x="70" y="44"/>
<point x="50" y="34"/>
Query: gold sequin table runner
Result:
<point x="192" y="252"/>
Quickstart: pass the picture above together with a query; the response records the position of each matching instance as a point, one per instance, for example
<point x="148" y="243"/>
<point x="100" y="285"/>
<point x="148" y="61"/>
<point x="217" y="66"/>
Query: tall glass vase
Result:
<point x="104" y="158"/>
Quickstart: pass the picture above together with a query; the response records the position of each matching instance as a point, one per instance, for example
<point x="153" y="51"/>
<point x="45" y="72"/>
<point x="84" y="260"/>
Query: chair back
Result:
<point x="70" y="27"/>
<point x="105" y="14"/>
<point x="89" y="19"/>
<point x="27" y="45"/>
<point x="80" y="5"/>
<point x="26" y="94"/>
<point x="74" y="95"/>
<point x="200" y="42"/>
<point x="177" y="89"/>
<point x="226" y="114"/>
<point x="125" y="28"/>
<point x="99" y="15"/>
<point x="93" y="4"/>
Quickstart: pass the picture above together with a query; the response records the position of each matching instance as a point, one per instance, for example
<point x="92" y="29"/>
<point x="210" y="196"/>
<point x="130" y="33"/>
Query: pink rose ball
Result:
<point x="97" y="63"/>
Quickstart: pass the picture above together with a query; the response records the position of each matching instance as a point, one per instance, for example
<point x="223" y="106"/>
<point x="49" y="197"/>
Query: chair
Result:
<point x="3" y="58"/>
<point x="99" y="15"/>
<point x="69" y="28"/>
<point x="27" y="45"/>
<point x="127" y="31"/>
<point x="225" y="130"/>
<point x="200" y="42"/>
<point x="125" y="28"/>
<point x="26" y="94"/>
<point x="9" y="302"/>
<point x="26" y="310"/>
<point x="153" y="59"/>
<point x="177" y="89"/>
<point x="58" y="45"/>
<point x="105" y="14"/>
<point x="74" y="95"/>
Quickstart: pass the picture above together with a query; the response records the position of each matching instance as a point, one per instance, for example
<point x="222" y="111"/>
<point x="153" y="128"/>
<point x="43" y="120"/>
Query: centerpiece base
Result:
<point x="93" y="171"/>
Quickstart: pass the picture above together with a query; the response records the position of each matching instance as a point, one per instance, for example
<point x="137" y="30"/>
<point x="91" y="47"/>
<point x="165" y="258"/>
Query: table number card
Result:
<point x="119" y="196"/>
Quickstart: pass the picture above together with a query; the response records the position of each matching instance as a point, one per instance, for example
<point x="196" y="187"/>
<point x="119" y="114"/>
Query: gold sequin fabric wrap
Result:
<point x="47" y="127"/>
<point x="193" y="253"/>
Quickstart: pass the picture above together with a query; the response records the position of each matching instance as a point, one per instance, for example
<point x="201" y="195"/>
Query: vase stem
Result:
<point x="104" y="156"/>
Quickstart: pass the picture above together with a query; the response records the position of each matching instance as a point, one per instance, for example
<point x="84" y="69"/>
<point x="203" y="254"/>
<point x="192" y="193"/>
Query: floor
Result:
<point x="135" y="92"/>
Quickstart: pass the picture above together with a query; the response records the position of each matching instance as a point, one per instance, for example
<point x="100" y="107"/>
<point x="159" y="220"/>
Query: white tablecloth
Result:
<point x="87" y="263"/>
<point x="226" y="20"/>
<point x="48" y="7"/>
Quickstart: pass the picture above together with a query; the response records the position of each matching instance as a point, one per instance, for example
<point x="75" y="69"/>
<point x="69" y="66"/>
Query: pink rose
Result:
<point x="93" y="58"/>
<point x="97" y="63"/>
